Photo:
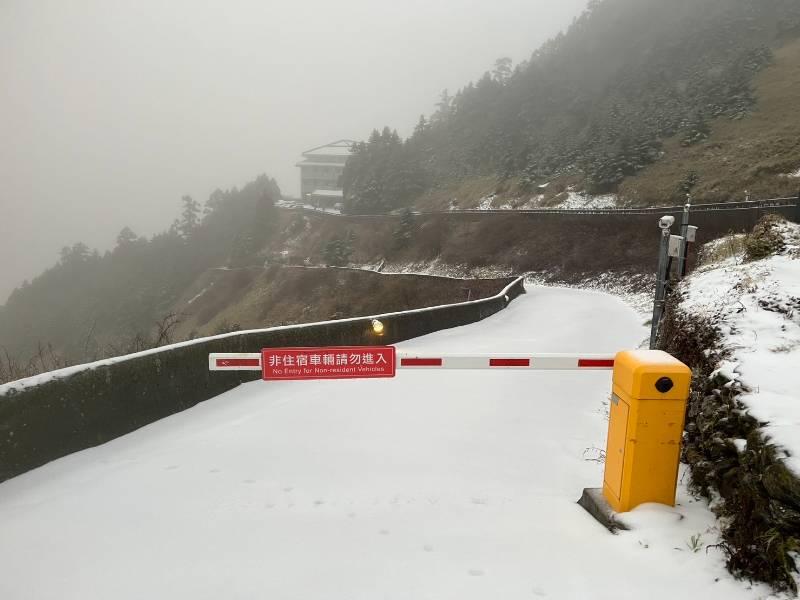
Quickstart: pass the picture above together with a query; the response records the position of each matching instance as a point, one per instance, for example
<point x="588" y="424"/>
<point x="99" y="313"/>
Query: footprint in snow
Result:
<point x="539" y="592"/>
<point x="288" y="489"/>
<point x="171" y="468"/>
<point x="475" y="572"/>
<point x="427" y="548"/>
<point x="384" y="532"/>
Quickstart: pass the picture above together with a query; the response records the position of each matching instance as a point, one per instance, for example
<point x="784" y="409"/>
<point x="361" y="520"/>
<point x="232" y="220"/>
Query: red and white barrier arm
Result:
<point x="249" y="361"/>
<point x="542" y="362"/>
<point x="407" y="360"/>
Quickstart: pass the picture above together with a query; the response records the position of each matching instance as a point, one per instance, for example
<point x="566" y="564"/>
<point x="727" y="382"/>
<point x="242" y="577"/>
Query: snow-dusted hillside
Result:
<point x="756" y="305"/>
<point x="431" y="485"/>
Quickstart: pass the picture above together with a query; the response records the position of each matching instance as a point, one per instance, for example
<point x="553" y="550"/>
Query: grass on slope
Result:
<point x="755" y="153"/>
<point x="249" y="298"/>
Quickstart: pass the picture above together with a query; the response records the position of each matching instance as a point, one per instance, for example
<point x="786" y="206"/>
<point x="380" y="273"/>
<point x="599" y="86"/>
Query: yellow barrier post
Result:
<point x="648" y="405"/>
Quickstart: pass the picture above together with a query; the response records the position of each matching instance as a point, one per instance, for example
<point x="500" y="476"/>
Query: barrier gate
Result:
<point x="409" y="360"/>
<point x="646" y="417"/>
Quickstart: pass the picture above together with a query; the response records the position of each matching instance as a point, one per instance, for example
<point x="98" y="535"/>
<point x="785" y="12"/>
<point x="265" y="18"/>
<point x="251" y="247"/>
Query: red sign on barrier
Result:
<point x="344" y="362"/>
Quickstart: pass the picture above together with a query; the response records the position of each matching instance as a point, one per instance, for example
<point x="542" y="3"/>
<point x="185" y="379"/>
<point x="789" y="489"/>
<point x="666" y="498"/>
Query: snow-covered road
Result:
<point x="446" y="485"/>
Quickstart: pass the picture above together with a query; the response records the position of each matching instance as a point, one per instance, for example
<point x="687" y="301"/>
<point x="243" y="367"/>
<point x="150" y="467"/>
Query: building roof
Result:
<point x="337" y="148"/>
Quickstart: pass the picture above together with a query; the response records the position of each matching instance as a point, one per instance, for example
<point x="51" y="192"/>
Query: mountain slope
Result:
<point x="590" y="108"/>
<point x="760" y="153"/>
<point x="256" y="297"/>
<point x="89" y="305"/>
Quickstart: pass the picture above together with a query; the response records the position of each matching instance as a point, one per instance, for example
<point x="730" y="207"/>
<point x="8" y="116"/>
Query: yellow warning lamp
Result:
<point x="377" y="327"/>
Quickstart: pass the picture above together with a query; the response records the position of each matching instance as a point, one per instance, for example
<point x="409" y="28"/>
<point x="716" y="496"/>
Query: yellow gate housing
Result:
<point x="645" y="427"/>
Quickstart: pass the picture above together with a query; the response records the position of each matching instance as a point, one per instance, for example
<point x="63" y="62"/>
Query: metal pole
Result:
<point x="797" y="209"/>
<point x="685" y="246"/>
<point x="661" y="283"/>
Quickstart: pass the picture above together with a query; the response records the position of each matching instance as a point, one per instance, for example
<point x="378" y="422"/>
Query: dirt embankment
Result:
<point x="288" y="286"/>
<point x="565" y="247"/>
<point x="250" y="298"/>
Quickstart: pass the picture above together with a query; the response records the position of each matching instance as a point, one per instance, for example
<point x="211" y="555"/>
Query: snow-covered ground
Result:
<point x="534" y="202"/>
<point x="431" y="485"/>
<point x="757" y="307"/>
<point x="575" y="201"/>
<point x="199" y="294"/>
<point x="569" y="200"/>
<point x="303" y="205"/>
<point x="485" y="203"/>
<point x="793" y="174"/>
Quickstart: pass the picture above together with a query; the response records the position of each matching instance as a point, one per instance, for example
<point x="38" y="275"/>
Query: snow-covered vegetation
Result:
<point x="736" y="322"/>
<point x="756" y="306"/>
<point x="573" y="200"/>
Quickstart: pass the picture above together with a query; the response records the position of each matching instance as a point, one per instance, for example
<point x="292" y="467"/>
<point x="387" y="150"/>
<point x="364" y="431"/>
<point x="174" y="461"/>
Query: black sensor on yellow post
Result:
<point x="648" y="405"/>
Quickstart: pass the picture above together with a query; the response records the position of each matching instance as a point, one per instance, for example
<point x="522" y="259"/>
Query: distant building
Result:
<point x="321" y="173"/>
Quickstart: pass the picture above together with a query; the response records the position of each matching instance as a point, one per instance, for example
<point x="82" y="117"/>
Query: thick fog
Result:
<point x="111" y="110"/>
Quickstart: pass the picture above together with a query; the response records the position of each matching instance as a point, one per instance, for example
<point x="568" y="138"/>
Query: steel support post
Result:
<point x="682" y="258"/>
<point x="661" y="284"/>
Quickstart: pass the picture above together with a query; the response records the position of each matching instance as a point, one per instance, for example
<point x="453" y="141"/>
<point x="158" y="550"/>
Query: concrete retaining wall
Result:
<point x="47" y="417"/>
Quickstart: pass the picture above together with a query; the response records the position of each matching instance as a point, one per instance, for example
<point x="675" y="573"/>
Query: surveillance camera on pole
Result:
<point x="666" y="222"/>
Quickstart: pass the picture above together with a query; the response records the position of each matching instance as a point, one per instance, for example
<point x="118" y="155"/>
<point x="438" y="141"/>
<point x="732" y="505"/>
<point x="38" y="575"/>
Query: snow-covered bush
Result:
<point x="766" y="238"/>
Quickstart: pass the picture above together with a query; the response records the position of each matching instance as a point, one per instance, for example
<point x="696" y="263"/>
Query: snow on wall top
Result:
<point x="757" y="307"/>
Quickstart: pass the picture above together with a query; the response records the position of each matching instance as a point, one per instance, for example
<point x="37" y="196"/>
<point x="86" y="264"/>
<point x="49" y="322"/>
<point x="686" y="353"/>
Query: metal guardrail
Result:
<point x="709" y="207"/>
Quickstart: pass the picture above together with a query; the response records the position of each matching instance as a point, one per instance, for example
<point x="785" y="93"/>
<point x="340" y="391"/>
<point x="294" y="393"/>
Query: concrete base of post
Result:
<point x="596" y="505"/>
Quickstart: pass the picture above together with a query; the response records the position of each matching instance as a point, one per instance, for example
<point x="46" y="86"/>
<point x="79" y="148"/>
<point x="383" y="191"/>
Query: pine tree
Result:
<point x="338" y="250"/>
<point x="78" y="253"/>
<point x="421" y="128"/>
<point x="405" y="230"/>
<point x="189" y="217"/>
<point x="126" y="237"/>
<point x="502" y="70"/>
<point x="263" y="223"/>
<point x="444" y="107"/>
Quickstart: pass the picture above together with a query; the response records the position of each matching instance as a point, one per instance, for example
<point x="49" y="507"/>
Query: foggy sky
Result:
<point x="111" y="110"/>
